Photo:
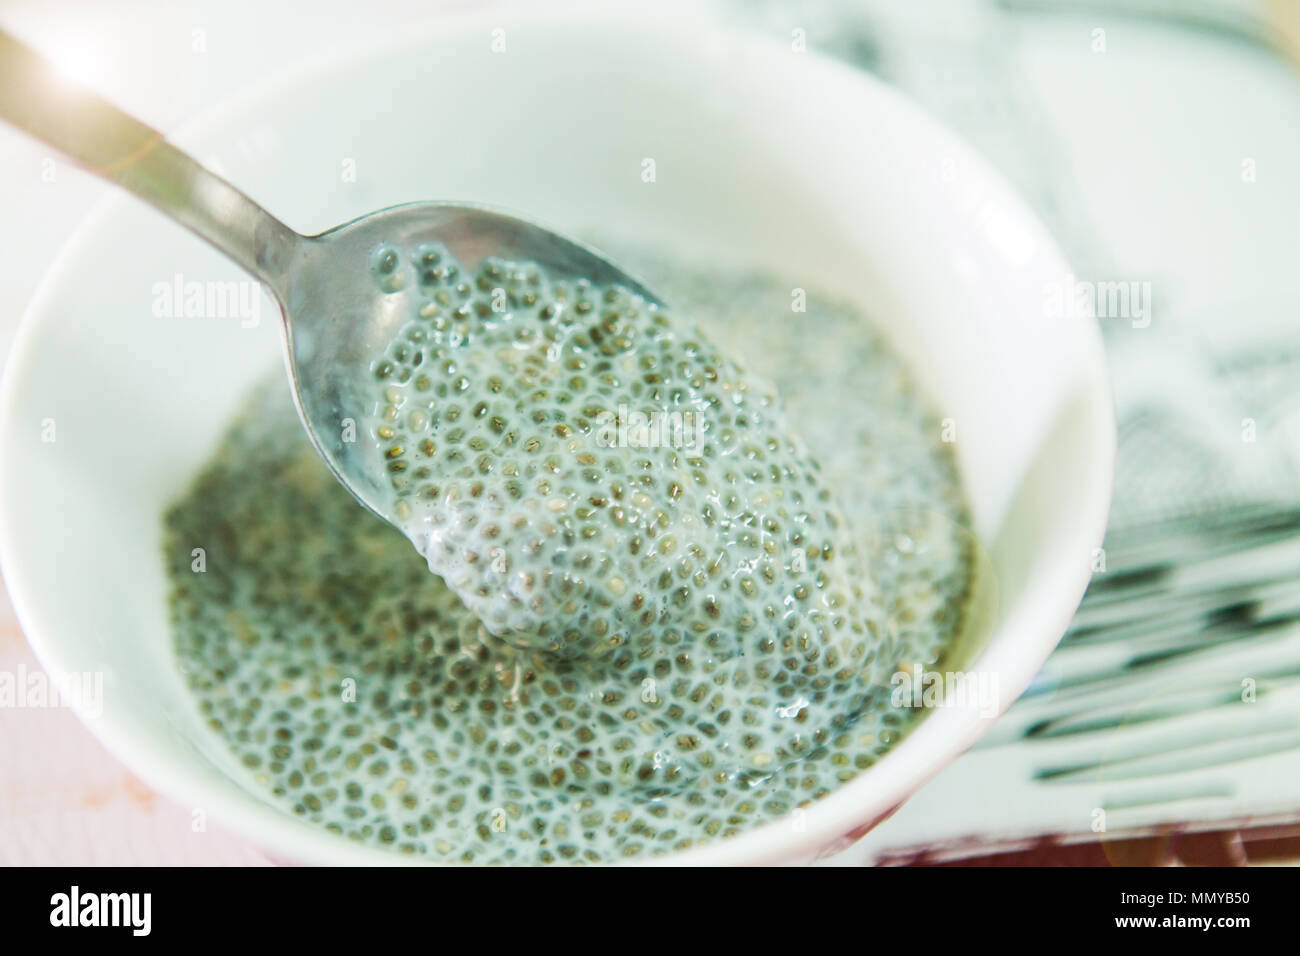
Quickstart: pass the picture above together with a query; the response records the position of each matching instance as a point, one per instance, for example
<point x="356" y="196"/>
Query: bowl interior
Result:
<point x="759" y="154"/>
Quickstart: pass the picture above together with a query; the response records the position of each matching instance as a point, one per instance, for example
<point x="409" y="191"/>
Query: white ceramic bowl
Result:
<point x="761" y="153"/>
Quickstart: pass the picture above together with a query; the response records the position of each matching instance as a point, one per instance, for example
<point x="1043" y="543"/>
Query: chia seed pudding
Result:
<point x="675" y="566"/>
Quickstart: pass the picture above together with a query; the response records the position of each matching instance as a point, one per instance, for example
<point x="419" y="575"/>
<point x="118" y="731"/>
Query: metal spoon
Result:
<point x="335" y="317"/>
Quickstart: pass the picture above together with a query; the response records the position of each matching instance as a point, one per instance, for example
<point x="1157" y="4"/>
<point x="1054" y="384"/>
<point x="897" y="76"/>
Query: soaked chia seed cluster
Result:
<point x="726" y="615"/>
<point x="498" y="416"/>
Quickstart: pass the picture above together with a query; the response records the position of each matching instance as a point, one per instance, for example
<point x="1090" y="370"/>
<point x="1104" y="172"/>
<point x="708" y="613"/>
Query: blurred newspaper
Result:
<point x="1176" y="693"/>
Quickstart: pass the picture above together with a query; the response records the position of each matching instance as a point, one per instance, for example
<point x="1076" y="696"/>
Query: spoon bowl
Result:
<point x="338" y="319"/>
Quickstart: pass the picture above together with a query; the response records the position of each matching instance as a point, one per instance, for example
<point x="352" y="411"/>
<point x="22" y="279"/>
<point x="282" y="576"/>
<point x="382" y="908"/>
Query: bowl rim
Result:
<point x="853" y="806"/>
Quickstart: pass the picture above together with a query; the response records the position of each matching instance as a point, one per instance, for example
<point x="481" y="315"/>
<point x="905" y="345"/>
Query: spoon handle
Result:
<point x="115" y="146"/>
